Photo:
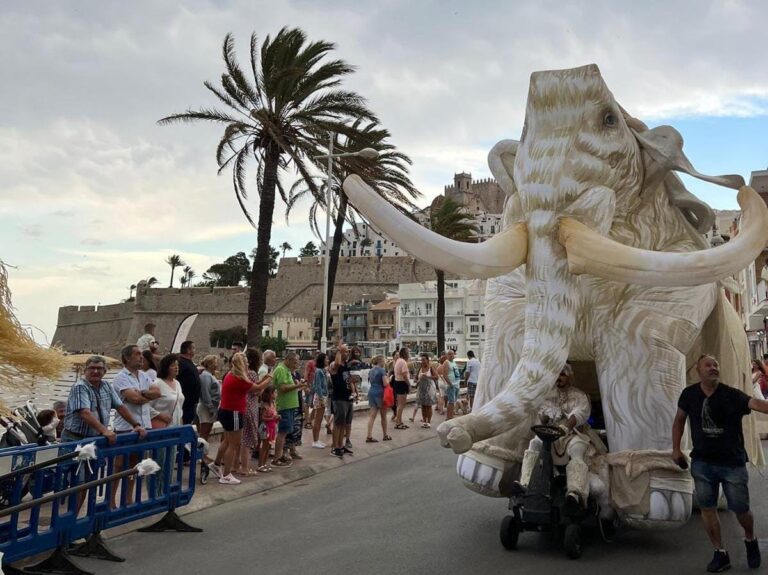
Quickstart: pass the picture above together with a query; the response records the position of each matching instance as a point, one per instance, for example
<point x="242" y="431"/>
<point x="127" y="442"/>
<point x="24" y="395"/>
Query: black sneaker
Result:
<point x="720" y="562"/>
<point x="337" y="452"/>
<point x="753" y="554"/>
<point x="204" y="472"/>
<point x="347" y="450"/>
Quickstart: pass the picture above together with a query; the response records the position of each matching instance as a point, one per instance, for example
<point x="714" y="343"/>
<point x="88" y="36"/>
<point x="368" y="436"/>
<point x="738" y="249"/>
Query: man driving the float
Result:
<point x="569" y="409"/>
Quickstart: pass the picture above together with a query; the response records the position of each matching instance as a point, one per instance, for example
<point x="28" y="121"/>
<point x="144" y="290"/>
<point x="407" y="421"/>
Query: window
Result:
<point x="449" y="325"/>
<point x="279" y="334"/>
<point x="474" y="329"/>
<point x="493" y="229"/>
<point x="427" y="325"/>
<point x="428" y="308"/>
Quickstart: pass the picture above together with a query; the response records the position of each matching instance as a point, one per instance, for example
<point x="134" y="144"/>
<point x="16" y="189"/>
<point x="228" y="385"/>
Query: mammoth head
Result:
<point x="581" y="159"/>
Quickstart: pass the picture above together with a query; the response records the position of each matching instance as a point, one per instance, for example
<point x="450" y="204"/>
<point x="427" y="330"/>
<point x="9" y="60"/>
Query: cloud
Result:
<point x="85" y="164"/>
<point x="32" y="230"/>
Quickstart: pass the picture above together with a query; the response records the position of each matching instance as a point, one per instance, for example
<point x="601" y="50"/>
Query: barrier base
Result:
<point x="170" y="522"/>
<point x="58" y="562"/>
<point x="95" y="547"/>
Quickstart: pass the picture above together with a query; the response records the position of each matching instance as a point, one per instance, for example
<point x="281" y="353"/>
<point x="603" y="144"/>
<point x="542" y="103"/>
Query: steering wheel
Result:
<point x="550" y="432"/>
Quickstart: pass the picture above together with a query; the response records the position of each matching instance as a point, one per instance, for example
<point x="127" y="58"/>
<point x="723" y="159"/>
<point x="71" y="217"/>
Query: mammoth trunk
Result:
<point x="550" y="321"/>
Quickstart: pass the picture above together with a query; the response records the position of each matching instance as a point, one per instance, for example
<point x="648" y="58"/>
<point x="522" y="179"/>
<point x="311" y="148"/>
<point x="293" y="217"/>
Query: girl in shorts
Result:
<point x="268" y="419"/>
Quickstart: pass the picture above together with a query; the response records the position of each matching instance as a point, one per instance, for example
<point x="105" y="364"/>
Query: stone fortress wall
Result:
<point x="296" y="291"/>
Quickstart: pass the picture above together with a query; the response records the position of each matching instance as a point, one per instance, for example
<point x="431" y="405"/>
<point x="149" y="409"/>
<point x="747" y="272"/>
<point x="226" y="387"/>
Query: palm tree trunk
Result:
<point x="338" y="237"/>
<point x="173" y="269"/>
<point x="257" y="299"/>
<point x="440" y="318"/>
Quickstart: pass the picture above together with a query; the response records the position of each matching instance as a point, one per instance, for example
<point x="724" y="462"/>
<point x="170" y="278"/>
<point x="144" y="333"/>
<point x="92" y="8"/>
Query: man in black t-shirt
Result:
<point x="189" y="378"/>
<point x="715" y="411"/>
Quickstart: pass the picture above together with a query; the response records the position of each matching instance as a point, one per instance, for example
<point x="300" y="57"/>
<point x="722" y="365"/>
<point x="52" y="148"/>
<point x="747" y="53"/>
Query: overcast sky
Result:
<point x="94" y="195"/>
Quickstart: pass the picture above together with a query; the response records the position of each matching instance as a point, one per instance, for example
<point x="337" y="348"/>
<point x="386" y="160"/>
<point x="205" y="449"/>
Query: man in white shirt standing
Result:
<point x="473" y="376"/>
<point x="145" y="341"/>
<point x="136" y="390"/>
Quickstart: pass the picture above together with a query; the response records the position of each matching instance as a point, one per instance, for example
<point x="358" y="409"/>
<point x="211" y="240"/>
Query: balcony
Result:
<point x="353" y="323"/>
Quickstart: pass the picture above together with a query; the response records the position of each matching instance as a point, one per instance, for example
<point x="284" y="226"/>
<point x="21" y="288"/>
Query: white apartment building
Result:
<point x="366" y="242"/>
<point x="464" y="316"/>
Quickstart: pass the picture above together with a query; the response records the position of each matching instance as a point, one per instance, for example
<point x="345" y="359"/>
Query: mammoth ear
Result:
<point x="664" y="147"/>
<point x="698" y="214"/>
<point x="662" y="153"/>
<point x="501" y="161"/>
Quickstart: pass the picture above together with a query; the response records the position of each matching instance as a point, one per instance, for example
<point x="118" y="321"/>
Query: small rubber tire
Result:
<point x="572" y="541"/>
<point x="509" y="532"/>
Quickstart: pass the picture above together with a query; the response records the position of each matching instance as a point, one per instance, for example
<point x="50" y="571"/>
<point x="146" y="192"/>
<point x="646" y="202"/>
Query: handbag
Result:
<point x="389" y="396"/>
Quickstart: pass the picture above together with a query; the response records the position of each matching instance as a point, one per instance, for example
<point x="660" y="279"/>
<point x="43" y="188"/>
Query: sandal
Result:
<point x="387" y="438"/>
<point x="246" y="473"/>
<point x="425" y="425"/>
<point x="401" y="426"/>
<point x="264" y="469"/>
<point x="371" y="440"/>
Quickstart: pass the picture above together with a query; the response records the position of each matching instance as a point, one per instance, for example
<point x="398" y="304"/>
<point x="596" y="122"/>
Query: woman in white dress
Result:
<point x="166" y="411"/>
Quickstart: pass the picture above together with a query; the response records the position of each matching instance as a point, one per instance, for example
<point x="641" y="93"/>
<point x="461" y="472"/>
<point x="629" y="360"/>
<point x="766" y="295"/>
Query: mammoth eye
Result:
<point x="610" y="120"/>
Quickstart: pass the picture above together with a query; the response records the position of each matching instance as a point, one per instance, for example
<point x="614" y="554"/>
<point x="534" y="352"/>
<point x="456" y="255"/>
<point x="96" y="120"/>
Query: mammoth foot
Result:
<point x="453" y="434"/>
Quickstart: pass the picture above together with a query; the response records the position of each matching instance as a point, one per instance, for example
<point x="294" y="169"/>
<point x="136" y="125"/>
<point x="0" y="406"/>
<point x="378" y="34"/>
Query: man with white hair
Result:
<point x="568" y="408"/>
<point x="269" y="359"/>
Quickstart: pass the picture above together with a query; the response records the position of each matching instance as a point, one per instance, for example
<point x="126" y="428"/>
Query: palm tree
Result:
<point x="387" y="175"/>
<point x="448" y="218"/>
<point x="286" y="247"/>
<point x="183" y="281"/>
<point x="152" y="281"/>
<point x="189" y="273"/>
<point x="277" y="112"/>
<point x="130" y="293"/>
<point x="174" y="261"/>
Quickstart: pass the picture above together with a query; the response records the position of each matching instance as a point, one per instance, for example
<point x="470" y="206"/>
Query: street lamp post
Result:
<point x="368" y="154"/>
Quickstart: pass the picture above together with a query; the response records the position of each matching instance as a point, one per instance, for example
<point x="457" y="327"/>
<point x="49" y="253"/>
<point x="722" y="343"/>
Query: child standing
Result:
<point x="268" y="419"/>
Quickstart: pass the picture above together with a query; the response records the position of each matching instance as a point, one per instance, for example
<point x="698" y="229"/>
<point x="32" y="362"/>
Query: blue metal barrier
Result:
<point x="22" y="534"/>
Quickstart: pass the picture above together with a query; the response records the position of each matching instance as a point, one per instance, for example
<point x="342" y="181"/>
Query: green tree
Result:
<point x="277" y="112"/>
<point x="286" y="247"/>
<point x="365" y="243"/>
<point x="309" y="250"/>
<point x="448" y="218"/>
<point x="230" y="272"/>
<point x="174" y="261"/>
<point x="276" y="344"/>
<point x="130" y="292"/>
<point x="387" y="175"/>
<point x="152" y="282"/>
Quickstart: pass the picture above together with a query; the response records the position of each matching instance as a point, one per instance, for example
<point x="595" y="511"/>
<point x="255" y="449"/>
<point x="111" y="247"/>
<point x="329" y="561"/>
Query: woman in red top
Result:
<point x="234" y="390"/>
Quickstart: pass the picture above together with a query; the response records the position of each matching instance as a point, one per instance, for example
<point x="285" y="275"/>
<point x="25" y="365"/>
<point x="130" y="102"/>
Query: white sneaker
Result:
<point x="215" y="469"/>
<point x="229" y="480"/>
<point x="319" y="445"/>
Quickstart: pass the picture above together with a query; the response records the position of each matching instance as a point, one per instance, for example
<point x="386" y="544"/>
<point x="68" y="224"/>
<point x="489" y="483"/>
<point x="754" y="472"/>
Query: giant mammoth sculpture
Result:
<point x="601" y="259"/>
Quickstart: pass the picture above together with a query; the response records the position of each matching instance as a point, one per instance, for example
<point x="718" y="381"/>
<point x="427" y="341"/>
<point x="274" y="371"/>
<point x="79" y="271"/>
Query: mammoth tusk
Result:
<point x="590" y="253"/>
<point x="499" y="255"/>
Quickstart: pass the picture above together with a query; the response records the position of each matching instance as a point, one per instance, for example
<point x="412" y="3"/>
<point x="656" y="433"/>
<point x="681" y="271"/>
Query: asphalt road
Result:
<point x="403" y="512"/>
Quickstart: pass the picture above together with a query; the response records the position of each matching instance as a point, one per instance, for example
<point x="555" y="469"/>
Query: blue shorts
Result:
<point x="452" y="393"/>
<point x="471" y="389"/>
<point x="287" y="420"/>
<point x="708" y="478"/>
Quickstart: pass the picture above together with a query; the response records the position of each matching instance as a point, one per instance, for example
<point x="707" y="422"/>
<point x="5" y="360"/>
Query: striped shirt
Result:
<point x="98" y="400"/>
